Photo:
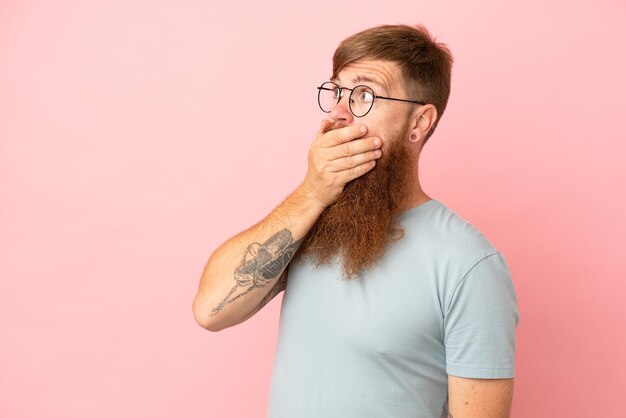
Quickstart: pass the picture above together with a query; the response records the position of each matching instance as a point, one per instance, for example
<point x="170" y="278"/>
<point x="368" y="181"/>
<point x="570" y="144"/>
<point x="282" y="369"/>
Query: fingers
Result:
<point x="351" y="173"/>
<point x="324" y="127"/>
<point x="338" y="156"/>
<point x="339" y="136"/>
<point x="345" y="149"/>
<point x="355" y="147"/>
<point x="354" y="160"/>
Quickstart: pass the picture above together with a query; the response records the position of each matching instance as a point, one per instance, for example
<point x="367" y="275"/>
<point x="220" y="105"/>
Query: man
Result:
<point x="394" y="306"/>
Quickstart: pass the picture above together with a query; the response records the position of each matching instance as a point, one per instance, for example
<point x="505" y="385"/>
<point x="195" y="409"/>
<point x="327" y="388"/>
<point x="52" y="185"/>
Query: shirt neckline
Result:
<point x="416" y="209"/>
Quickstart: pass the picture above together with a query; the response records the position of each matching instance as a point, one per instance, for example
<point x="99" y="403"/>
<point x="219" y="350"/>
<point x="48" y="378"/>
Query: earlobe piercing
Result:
<point x="413" y="138"/>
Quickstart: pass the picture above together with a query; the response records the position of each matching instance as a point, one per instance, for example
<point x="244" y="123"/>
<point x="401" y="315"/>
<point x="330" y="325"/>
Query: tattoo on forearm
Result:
<point x="280" y="285"/>
<point x="262" y="263"/>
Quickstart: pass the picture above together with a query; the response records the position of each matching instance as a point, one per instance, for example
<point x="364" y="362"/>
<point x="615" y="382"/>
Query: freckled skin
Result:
<point x="489" y="398"/>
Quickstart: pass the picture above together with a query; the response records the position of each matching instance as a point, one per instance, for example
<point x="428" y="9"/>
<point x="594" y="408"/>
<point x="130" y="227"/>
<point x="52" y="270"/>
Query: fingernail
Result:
<point x="363" y="129"/>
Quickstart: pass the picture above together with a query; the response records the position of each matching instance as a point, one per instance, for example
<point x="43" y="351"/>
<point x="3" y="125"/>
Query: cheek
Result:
<point x="377" y="129"/>
<point x="387" y="130"/>
<point x="387" y="137"/>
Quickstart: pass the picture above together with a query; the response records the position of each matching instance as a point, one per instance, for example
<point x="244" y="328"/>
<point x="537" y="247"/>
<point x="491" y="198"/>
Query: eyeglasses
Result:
<point x="360" y="101"/>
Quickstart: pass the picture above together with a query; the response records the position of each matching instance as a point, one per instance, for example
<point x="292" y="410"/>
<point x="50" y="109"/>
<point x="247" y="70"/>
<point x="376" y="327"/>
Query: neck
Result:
<point x="417" y="196"/>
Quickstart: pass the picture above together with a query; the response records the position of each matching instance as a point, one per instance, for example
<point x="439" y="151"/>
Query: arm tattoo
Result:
<point x="280" y="285"/>
<point x="262" y="263"/>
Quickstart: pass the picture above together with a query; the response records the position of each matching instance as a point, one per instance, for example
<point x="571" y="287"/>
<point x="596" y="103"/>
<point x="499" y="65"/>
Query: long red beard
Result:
<point x="363" y="222"/>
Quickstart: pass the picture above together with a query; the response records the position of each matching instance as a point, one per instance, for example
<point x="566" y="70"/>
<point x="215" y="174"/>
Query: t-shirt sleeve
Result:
<point x="480" y="322"/>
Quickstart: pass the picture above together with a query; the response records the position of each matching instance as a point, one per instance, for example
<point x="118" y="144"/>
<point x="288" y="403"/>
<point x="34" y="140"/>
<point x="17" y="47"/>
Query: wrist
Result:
<point x="311" y="199"/>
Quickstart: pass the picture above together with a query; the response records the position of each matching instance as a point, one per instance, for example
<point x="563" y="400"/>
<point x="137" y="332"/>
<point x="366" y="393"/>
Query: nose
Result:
<point x="341" y="111"/>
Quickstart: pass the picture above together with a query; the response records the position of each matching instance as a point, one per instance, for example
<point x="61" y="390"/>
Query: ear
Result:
<point x="422" y="119"/>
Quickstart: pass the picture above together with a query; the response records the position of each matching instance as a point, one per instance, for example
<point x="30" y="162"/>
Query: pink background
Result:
<point x="137" y="136"/>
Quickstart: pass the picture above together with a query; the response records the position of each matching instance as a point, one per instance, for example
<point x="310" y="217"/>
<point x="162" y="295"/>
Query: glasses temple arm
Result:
<point x="400" y="100"/>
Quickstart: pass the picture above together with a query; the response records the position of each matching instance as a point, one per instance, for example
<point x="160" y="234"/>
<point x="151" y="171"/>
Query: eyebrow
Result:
<point x="362" y="78"/>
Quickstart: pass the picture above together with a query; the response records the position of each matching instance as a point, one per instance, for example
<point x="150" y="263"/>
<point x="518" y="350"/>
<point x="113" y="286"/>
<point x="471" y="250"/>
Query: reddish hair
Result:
<point x="426" y="64"/>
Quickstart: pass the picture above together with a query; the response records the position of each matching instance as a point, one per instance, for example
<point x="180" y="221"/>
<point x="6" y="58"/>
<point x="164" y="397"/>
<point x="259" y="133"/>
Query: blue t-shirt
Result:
<point x="440" y="301"/>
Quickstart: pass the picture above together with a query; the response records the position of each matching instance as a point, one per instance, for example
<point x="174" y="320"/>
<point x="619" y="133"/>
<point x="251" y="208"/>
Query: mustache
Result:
<point x="333" y="126"/>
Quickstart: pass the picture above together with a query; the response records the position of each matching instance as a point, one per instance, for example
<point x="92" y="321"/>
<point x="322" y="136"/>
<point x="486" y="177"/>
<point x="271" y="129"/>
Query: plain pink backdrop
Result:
<point x="137" y="136"/>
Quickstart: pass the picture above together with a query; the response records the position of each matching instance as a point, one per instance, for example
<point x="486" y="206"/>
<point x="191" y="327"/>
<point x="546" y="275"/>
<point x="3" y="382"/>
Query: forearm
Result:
<point x="243" y="270"/>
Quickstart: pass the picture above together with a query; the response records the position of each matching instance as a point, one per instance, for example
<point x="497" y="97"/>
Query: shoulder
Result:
<point x="447" y="234"/>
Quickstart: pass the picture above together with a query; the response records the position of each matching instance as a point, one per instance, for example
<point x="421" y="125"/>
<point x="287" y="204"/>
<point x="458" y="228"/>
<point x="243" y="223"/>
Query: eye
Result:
<point x="366" y="96"/>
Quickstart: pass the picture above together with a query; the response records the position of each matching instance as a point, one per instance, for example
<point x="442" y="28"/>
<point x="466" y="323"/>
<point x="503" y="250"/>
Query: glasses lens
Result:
<point x="328" y="96"/>
<point x="362" y="100"/>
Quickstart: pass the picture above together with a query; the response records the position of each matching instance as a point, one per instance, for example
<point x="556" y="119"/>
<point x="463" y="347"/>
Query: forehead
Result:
<point x="384" y="73"/>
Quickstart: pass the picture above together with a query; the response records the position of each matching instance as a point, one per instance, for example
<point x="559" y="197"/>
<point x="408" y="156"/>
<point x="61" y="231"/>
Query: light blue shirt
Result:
<point x="441" y="301"/>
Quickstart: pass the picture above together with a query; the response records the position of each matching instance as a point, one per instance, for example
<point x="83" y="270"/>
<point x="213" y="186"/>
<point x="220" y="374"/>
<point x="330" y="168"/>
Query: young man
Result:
<point x="394" y="306"/>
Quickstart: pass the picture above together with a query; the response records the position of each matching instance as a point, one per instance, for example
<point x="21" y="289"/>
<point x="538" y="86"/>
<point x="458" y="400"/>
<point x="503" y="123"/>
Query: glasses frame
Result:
<point x="340" y="96"/>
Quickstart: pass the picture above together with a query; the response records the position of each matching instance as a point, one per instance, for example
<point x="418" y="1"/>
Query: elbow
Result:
<point x="207" y="325"/>
<point x="203" y="317"/>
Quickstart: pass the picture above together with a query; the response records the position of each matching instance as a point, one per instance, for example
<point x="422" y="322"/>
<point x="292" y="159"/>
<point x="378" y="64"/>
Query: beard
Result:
<point x="362" y="223"/>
